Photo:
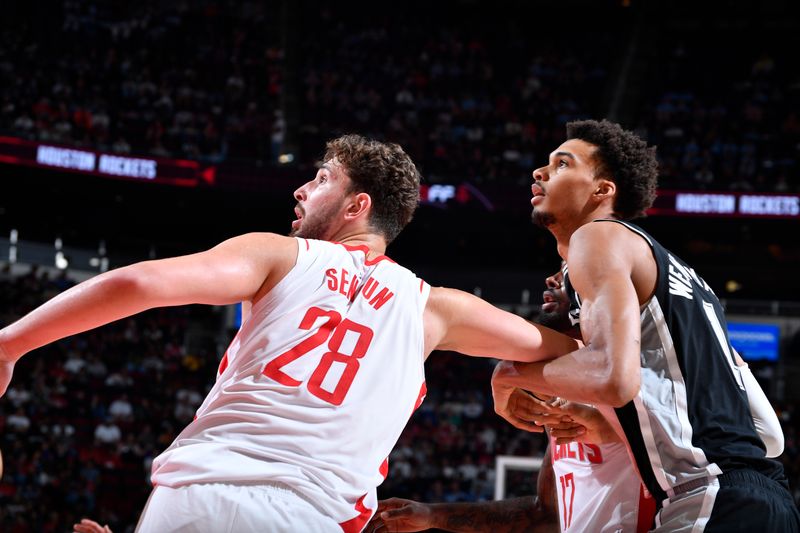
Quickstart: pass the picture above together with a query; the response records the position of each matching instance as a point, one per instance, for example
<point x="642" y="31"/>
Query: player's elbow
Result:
<point x="620" y="388"/>
<point x="774" y="444"/>
<point x="130" y="282"/>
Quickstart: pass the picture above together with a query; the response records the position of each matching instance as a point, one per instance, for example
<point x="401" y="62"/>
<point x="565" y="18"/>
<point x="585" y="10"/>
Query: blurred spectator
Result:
<point x="107" y="432"/>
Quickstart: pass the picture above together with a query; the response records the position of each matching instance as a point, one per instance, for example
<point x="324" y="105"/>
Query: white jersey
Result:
<point x="598" y="489"/>
<point x="316" y="387"/>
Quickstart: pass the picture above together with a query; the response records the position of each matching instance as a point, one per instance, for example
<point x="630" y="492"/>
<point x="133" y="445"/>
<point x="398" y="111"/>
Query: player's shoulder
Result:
<point x="599" y="228"/>
<point x="595" y="240"/>
<point x="261" y="238"/>
<point x="608" y="237"/>
<point x="262" y="247"/>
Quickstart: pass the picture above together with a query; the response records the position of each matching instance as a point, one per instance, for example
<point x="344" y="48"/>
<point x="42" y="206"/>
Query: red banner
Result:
<point x="726" y="204"/>
<point x="180" y="172"/>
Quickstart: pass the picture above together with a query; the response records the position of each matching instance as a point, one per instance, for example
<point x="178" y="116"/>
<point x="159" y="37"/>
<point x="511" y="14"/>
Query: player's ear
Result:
<point x="605" y="188"/>
<point x="359" y="205"/>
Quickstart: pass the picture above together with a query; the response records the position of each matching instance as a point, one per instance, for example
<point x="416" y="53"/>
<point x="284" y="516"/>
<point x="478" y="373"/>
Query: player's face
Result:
<point x="321" y="203"/>
<point x="562" y="189"/>
<point x="555" y="309"/>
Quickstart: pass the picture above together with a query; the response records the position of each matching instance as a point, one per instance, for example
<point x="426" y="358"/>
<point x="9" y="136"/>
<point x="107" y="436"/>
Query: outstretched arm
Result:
<point x="531" y="513"/>
<point x="235" y="270"/>
<point x="458" y="321"/>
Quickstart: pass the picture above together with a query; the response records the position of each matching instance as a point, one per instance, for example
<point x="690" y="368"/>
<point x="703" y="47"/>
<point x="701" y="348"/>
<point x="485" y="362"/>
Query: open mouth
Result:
<point x="549" y="307"/>
<point x="299" y="214"/>
<point x="550" y="302"/>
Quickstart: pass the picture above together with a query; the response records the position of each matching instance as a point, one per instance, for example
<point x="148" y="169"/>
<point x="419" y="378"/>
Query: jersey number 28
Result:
<point x="332" y="330"/>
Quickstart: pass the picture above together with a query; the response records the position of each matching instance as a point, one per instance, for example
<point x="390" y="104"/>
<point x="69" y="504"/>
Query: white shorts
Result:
<point x="223" y="508"/>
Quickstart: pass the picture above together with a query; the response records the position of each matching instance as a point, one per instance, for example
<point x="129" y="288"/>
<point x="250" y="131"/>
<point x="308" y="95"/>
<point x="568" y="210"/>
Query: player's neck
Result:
<point x="563" y="230"/>
<point x="375" y="242"/>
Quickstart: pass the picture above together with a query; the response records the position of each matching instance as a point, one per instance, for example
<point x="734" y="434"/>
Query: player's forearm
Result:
<point x="95" y="302"/>
<point x="585" y="376"/>
<point x="764" y="418"/>
<point x="472" y="326"/>
<point x="515" y="514"/>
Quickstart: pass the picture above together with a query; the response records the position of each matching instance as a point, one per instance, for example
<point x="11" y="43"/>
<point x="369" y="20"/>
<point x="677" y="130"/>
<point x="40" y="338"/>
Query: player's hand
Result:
<point x="397" y="514"/>
<point x="90" y="526"/>
<point x="580" y="422"/>
<point x="518" y="407"/>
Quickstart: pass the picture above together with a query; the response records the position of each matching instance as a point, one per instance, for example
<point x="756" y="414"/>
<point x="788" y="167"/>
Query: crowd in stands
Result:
<point x="468" y="99"/>
<point x="724" y="113"/>
<point x="84" y="418"/>
<point x="146" y="78"/>
<point x="470" y="91"/>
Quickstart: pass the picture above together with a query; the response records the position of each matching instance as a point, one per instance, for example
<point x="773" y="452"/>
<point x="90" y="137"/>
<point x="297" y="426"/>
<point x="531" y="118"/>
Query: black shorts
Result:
<point x="749" y="501"/>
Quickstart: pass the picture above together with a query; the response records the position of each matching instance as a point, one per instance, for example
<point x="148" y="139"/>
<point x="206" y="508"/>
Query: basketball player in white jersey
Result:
<point x="319" y="382"/>
<point x="656" y="359"/>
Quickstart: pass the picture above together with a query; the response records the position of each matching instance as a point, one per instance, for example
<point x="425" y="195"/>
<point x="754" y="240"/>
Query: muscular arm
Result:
<point x="530" y="513"/>
<point x="458" y="321"/>
<point x="602" y="259"/>
<point x="233" y="271"/>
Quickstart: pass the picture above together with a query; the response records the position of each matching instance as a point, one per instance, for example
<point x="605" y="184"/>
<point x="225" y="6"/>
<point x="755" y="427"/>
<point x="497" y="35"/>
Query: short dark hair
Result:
<point x="386" y="173"/>
<point x="625" y="159"/>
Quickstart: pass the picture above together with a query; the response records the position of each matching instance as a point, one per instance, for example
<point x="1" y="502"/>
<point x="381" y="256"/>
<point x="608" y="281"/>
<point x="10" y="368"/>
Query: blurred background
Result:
<point x="131" y="131"/>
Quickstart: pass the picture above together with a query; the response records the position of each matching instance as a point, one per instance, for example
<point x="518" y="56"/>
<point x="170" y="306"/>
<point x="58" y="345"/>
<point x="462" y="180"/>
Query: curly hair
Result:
<point x="625" y="159"/>
<point x="386" y="173"/>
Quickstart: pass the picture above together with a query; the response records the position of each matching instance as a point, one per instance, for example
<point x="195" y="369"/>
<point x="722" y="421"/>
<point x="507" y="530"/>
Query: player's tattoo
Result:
<point x="514" y="514"/>
<point x="538" y="514"/>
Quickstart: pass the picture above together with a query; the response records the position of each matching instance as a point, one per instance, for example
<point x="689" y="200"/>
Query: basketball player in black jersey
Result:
<point x="657" y="359"/>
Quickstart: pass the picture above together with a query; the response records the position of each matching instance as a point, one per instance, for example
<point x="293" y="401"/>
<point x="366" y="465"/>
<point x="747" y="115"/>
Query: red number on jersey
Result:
<point x="567" y="482"/>
<point x="335" y="329"/>
<point x="350" y="360"/>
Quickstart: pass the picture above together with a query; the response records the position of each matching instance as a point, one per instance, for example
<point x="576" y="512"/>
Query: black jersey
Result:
<point x="691" y="419"/>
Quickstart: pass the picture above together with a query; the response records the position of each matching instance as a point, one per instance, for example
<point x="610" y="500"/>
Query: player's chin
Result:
<point x="542" y="218"/>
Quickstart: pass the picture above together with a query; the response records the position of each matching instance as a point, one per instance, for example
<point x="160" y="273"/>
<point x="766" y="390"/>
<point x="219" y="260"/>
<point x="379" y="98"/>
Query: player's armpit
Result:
<point x="472" y="326"/>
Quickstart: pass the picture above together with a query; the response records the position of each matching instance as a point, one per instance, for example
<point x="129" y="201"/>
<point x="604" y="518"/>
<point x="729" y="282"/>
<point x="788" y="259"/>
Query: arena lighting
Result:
<point x="61" y="261"/>
<point x="732" y="285"/>
<point x="12" y="248"/>
<point x="441" y="194"/>
<point x="285" y="159"/>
